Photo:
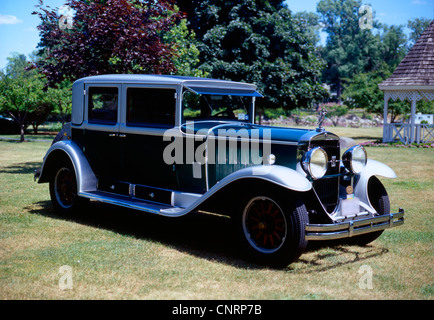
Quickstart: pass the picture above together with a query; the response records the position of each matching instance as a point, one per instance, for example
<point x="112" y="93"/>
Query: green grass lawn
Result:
<point x="116" y="253"/>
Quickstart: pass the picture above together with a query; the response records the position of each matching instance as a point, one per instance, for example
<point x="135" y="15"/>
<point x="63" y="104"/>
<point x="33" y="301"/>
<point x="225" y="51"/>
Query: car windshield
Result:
<point x="215" y="107"/>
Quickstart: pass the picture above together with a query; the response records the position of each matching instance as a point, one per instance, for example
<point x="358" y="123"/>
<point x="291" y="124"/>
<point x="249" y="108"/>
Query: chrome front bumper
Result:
<point x="353" y="228"/>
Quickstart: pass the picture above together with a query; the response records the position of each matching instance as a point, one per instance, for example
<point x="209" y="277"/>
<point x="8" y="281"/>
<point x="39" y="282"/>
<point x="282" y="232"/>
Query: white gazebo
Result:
<point x="413" y="80"/>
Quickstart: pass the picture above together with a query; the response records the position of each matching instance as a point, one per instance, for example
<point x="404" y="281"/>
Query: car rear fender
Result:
<point x="86" y="180"/>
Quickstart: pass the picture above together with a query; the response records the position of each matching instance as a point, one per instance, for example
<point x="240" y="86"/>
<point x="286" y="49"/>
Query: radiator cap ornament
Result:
<point x="321" y="119"/>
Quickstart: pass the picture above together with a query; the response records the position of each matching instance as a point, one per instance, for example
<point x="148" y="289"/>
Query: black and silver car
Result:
<point x="173" y="145"/>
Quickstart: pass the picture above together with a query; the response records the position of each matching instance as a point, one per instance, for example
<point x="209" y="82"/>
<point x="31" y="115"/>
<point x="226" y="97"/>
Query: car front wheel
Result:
<point x="273" y="231"/>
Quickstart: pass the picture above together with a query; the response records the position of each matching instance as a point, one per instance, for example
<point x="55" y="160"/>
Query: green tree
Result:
<point x="21" y="90"/>
<point x="183" y="42"/>
<point x="349" y="49"/>
<point x="392" y="46"/>
<point x="417" y="27"/>
<point x="363" y="92"/>
<point x="257" y="42"/>
<point x="61" y="98"/>
<point x="310" y="24"/>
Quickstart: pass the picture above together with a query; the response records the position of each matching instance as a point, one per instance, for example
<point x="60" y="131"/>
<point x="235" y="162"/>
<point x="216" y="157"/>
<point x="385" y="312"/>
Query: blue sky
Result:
<point x="18" y="31"/>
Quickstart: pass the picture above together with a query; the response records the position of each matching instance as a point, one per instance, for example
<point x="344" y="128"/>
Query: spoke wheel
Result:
<point x="264" y="225"/>
<point x="271" y="229"/>
<point x="65" y="187"/>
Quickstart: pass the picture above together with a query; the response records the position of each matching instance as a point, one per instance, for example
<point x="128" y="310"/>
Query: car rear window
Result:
<point x="103" y="105"/>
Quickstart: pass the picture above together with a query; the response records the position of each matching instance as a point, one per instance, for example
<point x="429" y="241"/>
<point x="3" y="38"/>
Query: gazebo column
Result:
<point x="385" y="126"/>
<point x="413" y="117"/>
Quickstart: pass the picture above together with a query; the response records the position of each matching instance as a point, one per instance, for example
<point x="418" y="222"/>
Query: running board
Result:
<point x="133" y="203"/>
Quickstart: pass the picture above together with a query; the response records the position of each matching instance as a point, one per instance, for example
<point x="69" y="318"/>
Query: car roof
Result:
<point x="167" y="80"/>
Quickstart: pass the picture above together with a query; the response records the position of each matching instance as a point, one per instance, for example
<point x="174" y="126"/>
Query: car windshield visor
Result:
<point x="224" y="91"/>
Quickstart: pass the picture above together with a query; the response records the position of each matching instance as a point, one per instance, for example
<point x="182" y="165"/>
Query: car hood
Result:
<point x="247" y="130"/>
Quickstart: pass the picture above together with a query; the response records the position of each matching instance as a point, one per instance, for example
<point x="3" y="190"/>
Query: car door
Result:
<point x="150" y="111"/>
<point x="98" y="136"/>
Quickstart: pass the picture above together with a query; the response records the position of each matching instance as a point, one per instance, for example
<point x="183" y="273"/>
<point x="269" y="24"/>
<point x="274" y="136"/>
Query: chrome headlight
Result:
<point x="315" y="162"/>
<point x="355" y="159"/>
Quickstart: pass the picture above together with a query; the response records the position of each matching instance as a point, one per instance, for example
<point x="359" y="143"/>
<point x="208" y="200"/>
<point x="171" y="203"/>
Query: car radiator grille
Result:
<point x="327" y="188"/>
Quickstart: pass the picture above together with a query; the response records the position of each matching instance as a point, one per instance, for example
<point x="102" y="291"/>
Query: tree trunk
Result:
<point x="21" y="120"/>
<point x="35" y="126"/>
<point x="22" y="132"/>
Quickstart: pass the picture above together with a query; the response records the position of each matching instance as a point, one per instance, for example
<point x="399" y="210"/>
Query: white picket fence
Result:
<point x="394" y="132"/>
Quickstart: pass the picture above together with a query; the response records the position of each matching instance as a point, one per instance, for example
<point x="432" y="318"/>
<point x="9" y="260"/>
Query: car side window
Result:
<point x="153" y="107"/>
<point x="103" y="105"/>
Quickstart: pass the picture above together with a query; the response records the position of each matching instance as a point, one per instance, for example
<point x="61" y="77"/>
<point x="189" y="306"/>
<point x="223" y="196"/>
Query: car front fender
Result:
<point x="282" y="176"/>
<point x="274" y="174"/>
<point x="373" y="168"/>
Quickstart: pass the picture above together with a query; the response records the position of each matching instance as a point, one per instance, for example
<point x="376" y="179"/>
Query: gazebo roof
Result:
<point x="416" y="70"/>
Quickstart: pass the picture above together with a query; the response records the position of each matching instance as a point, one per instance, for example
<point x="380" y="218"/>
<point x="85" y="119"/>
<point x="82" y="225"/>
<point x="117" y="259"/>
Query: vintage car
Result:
<point x="172" y="145"/>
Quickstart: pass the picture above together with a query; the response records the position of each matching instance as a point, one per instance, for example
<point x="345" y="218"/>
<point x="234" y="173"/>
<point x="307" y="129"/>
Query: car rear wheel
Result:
<point x="273" y="230"/>
<point x="63" y="190"/>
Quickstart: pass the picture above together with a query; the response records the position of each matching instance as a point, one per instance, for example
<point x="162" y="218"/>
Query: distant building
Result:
<point x="423" y="117"/>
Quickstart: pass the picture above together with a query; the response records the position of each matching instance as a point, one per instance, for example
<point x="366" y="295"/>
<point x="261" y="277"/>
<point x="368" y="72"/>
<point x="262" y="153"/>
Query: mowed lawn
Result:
<point x="116" y="253"/>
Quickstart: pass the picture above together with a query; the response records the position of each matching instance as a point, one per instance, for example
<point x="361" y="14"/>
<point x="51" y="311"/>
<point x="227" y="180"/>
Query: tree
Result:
<point x="363" y="92"/>
<point x="107" y="36"/>
<point x="349" y="49"/>
<point x="39" y="114"/>
<point x="392" y="46"/>
<point x="311" y="25"/>
<point x="183" y="42"/>
<point x="61" y="99"/>
<point x="257" y="42"/>
<point x="352" y="50"/>
<point x="20" y="90"/>
<point x="417" y="27"/>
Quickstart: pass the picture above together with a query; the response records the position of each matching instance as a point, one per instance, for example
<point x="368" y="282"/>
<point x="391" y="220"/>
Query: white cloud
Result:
<point x="8" y="19"/>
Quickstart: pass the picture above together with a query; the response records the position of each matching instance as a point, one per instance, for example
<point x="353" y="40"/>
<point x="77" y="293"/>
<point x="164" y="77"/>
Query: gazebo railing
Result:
<point x="394" y="132"/>
<point x="424" y="133"/>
